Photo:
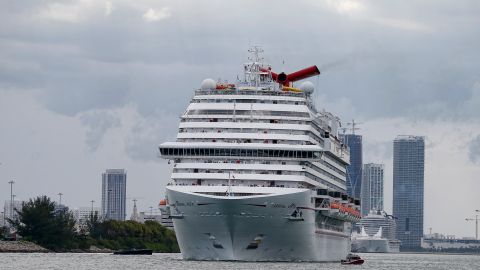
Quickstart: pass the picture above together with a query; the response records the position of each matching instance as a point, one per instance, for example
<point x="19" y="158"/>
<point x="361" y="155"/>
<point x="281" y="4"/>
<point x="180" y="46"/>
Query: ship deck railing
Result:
<point x="264" y="92"/>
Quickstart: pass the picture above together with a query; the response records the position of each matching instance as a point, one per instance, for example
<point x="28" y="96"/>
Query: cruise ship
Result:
<point x="258" y="172"/>
<point x="377" y="234"/>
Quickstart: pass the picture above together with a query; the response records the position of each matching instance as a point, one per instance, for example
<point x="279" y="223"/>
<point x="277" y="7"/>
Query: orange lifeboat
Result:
<point x="334" y="206"/>
<point x="163" y="202"/>
<point x="224" y="86"/>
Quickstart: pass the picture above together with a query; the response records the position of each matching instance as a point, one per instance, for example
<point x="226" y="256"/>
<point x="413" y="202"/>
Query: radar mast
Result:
<point x="256" y="72"/>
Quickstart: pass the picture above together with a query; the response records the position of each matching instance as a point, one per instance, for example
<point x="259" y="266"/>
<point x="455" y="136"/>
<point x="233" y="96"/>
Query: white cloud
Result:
<point x="74" y="11"/>
<point x="153" y="15"/>
<point x="108" y="8"/>
<point x="402" y="24"/>
<point x="346" y="6"/>
<point x="361" y="11"/>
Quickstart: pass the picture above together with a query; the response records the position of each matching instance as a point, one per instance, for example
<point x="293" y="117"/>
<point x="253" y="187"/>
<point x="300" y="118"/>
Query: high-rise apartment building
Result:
<point x="114" y="186"/>
<point x="408" y="189"/>
<point x="354" y="170"/>
<point x="372" y="188"/>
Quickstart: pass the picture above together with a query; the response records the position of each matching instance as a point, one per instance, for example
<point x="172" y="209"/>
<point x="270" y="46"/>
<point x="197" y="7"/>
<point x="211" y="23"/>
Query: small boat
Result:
<point x="133" y="252"/>
<point x="353" y="259"/>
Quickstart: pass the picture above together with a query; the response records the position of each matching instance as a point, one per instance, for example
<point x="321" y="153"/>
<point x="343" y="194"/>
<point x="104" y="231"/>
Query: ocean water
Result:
<point x="71" y="261"/>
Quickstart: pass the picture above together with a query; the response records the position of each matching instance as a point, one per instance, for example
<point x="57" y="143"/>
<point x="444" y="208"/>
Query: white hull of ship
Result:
<point x="381" y="245"/>
<point x="256" y="228"/>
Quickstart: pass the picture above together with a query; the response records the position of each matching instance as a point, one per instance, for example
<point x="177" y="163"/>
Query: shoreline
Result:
<point x="439" y="253"/>
<point x="21" y="247"/>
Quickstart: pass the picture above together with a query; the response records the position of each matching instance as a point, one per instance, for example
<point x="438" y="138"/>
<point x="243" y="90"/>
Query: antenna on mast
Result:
<point x="256" y="72"/>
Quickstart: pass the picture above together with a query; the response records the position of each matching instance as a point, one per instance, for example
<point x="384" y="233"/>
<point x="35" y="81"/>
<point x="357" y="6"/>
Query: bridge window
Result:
<point x="271" y="153"/>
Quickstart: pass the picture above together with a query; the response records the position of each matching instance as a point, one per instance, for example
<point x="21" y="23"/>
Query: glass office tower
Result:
<point x="372" y="188"/>
<point x="354" y="170"/>
<point x="408" y="189"/>
<point x="114" y="186"/>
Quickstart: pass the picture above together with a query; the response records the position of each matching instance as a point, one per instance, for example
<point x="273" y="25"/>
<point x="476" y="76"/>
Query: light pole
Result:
<point x="92" y="201"/>
<point x="11" y="198"/>
<point x="13" y="208"/>
<point x="60" y="201"/>
<point x="476" y="223"/>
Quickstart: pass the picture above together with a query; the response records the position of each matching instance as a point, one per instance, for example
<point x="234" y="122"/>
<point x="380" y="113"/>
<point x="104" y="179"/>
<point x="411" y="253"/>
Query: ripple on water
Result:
<point x="34" y="261"/>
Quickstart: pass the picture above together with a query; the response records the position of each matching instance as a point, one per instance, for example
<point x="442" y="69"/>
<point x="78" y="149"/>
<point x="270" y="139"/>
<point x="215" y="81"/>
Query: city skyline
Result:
<point x="82" y="88"/>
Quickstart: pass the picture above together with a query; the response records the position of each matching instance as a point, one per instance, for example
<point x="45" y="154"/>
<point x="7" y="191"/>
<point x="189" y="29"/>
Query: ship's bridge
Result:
<point x="173" y="150"/>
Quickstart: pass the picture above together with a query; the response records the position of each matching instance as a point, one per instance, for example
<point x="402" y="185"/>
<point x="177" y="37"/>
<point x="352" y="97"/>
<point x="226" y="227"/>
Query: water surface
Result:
<point x="62" y="261"/>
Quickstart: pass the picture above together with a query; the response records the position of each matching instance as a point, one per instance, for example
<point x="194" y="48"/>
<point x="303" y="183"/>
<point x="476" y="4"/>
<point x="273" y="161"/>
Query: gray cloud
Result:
<point x="399" y="63"/>
<point x="380" y="61"/>
<point x="147" y="133"/>
<point x="98" y="123"/>
<point x="377" y="151"/>
<point x="474" y="150"/>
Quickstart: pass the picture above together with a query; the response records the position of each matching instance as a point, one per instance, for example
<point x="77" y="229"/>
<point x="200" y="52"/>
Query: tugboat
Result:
<point x="353" y="259"/>
<point x="133" y="252"/>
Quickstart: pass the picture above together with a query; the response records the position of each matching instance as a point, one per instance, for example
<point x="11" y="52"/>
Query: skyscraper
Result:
<point x="408" y="187"/>
<point x="354" y="170"/>
<point x="114" y="185"/>
<point x="372" y="188"/>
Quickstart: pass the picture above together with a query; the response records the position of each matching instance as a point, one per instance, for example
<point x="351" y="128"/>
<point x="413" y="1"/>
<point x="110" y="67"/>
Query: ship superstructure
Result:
<point x="377" y="234"/>
<point x="258" y="173"/>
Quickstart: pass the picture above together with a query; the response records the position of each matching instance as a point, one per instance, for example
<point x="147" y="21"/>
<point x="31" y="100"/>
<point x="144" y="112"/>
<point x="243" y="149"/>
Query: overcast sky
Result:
<point x="89" y="85"/>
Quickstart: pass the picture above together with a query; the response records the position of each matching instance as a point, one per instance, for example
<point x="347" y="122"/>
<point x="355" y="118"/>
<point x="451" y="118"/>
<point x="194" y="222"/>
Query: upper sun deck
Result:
<point x="251" y="91"/>
<point x="260" y="80"/>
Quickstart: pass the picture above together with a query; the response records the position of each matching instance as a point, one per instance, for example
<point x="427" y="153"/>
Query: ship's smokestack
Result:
<point x="286" y="79"/>
<point x="303" y="74"/>
<point x="282" y="78"/>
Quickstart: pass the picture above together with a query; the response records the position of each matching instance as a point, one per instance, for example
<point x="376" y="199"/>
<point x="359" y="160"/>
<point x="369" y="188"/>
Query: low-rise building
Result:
<point x="439" y="242"/>
<point x="81" y="214"/>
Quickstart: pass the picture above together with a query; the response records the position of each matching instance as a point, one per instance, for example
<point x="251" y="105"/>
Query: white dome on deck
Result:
<point x="307" y="87"/>
<point x="208" y="84"/>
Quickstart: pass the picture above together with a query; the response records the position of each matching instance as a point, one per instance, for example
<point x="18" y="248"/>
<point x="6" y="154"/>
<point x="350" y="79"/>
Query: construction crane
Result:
<point x="353" y="126"/>
<point x="476" y="223"/>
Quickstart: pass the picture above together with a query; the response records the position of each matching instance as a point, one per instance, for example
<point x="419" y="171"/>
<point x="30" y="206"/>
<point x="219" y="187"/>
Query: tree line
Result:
<point x="54" y="228"/>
